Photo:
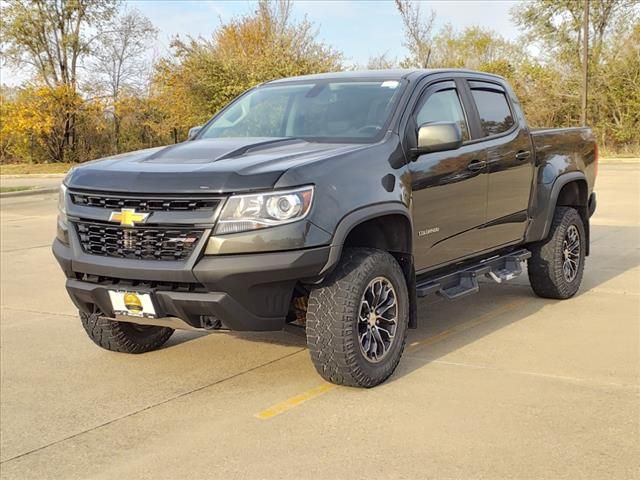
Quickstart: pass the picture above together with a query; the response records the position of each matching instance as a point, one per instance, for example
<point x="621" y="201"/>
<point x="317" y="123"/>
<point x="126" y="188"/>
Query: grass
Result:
<point x="28" y="168"/>
<point x="15" y="189"/>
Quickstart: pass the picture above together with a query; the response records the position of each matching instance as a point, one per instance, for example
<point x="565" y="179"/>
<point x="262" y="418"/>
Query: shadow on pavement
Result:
<point x="493" y="302"/>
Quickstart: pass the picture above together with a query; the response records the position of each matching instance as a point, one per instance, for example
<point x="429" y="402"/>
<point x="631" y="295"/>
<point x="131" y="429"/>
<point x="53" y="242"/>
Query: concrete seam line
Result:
<point x="550" y="376"/>
<point x="7" y="307"/>
<point x="26" y="217"/>
<point x="610" y="291"/>
<point x="149" y="407"/>
<point x="25" y="248"/>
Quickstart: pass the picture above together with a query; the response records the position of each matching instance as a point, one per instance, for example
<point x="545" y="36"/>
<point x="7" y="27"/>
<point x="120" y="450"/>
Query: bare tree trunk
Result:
<point x="585" y="62"/>
<point x="116" y="132"/>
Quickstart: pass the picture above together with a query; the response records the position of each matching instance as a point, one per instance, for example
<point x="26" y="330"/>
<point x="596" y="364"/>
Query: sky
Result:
<point x="358" y="28"/>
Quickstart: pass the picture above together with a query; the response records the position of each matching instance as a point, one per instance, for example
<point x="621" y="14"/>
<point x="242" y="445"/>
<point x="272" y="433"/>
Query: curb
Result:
<point x="33" y="175"/>
<point x="27" y="193"/>
<point x="619" y="161"/>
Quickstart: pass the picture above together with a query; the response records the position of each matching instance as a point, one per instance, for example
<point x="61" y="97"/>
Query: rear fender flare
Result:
<point x="546" y="205"/>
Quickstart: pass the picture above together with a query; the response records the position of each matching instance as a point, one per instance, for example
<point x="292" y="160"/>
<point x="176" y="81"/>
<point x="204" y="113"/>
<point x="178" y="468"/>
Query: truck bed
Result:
<point x="565" y="150"/>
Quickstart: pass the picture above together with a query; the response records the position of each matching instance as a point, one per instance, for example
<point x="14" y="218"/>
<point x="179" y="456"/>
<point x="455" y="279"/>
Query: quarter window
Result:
<point x="443" y="106"/>
<point x="494" y="111"/>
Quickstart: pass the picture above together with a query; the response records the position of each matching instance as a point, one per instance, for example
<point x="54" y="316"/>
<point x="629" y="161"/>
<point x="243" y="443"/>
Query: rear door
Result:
<point x="449" y="188"/>
<point x="510" y="165"/>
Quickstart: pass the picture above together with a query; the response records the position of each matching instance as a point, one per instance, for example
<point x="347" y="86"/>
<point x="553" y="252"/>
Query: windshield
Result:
<point x="321" y="111"/>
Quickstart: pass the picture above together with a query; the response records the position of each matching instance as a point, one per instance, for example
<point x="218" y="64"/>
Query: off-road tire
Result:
<point x="545" y="265"/>
<point x="124" y="337"/>
<point x="332" y="318"/>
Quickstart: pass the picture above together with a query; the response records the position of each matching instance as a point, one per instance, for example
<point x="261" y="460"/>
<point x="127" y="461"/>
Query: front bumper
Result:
<point x="244" y="292"/>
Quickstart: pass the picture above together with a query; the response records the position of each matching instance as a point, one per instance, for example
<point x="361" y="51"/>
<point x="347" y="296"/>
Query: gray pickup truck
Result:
<point x="329" y="202"/>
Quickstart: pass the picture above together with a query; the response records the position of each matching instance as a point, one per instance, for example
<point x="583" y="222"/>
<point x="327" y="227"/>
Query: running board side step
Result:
<point x="465" y="281"/>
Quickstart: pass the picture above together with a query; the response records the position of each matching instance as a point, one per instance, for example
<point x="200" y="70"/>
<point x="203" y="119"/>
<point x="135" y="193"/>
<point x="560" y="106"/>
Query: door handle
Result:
<point x="523" y="155"/>
<point x="476" y="165"/>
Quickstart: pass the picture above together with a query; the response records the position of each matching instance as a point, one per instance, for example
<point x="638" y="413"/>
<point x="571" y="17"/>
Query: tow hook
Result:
<point x="210" y="323"/>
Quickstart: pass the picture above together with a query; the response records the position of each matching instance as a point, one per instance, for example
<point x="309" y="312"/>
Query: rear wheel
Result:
<point x="124" y="337"/>
<point x="357" y="319"/>
<point x="557" y="264"/>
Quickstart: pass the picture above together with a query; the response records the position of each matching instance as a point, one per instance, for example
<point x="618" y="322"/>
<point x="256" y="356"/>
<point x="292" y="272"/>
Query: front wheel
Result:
<point x="357" y="319"/>
<point x="556" y="264"/>
<point x="123" y="337"/>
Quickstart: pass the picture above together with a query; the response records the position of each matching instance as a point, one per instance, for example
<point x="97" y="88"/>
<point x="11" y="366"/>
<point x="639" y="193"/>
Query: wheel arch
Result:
<point x="386" y="226"/>
<point x="569" y="190"/>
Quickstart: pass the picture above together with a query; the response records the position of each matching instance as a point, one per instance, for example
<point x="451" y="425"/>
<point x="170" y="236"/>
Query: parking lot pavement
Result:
<point x="500" y="384"/>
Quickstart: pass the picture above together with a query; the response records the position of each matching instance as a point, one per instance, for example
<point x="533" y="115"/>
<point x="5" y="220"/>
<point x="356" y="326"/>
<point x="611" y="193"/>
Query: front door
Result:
<point x="449" y="188"/>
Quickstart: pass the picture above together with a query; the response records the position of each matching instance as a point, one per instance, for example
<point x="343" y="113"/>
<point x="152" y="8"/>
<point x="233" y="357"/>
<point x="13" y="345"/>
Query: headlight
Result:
<point x="250" y="212"/>
<point x="62" y="194"/>
<point x="62" y="231"/>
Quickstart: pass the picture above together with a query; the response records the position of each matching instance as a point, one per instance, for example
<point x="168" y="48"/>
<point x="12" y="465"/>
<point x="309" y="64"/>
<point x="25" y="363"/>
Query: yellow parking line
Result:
<point x="293" y="402"/>
<point x="470" y="324"/>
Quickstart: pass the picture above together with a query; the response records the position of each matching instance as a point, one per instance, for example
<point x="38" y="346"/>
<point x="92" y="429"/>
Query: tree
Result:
<point x="37" y="116"/>
<point x="204" y="75"/>
<point x="269" y="44"/>
<point x="418" y="29"/>
<point x="554" y="27"/>
<point x="618" y="110"/>
<point x="557" y="25"/>
<point x="381" y="62"/>
<point x="118" y="66"/>
<point x="51" y="37"/>
<point x="118" y="60"/>
<point x="476" y="48"/>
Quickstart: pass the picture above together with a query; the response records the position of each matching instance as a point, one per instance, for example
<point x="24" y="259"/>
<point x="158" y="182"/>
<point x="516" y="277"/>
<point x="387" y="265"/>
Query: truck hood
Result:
<point x="207" y="165"/>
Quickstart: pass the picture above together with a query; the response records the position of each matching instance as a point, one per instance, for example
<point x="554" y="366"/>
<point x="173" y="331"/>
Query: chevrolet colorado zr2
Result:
<point x="332" y="201"/>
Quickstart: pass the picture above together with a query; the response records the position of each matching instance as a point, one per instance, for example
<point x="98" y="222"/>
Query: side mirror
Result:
<point x="438" y="136"/>
<point x="193" y="131"/>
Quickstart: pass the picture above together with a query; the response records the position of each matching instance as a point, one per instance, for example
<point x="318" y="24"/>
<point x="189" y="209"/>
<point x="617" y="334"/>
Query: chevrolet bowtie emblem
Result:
<point x="128" y="217"/>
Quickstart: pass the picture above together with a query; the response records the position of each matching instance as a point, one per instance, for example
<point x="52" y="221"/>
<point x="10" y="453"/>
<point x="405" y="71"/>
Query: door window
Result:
<point x="494" y="111"/>
<point x="443" y="106"/>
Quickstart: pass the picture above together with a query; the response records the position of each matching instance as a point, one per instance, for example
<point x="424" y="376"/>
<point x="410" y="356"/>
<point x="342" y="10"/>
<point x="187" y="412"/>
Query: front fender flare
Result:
<point x="355" y="218"/>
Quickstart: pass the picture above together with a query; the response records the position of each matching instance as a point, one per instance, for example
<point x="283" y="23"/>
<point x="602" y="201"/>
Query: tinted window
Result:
<point x="443" y="106"/>
<point x="495" y="115"/>
<point x="322" y="111"/>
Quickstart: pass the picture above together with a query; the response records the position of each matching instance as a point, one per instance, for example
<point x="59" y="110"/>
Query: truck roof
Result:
<point x="386" y="74"/>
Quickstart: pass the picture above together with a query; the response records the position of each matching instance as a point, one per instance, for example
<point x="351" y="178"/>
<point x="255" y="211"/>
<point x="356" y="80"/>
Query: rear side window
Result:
<point x="494" y="111"/>
<point x="443" y="106"/>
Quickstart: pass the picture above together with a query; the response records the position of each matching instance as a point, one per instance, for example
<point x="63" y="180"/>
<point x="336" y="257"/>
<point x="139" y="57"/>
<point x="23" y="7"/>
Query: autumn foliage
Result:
<point x="121" y="101"/>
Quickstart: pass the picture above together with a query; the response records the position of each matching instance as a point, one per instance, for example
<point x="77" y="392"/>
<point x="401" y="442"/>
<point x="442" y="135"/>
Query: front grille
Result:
<point x="145" y="203"/>
<point x="142" y="243"/>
